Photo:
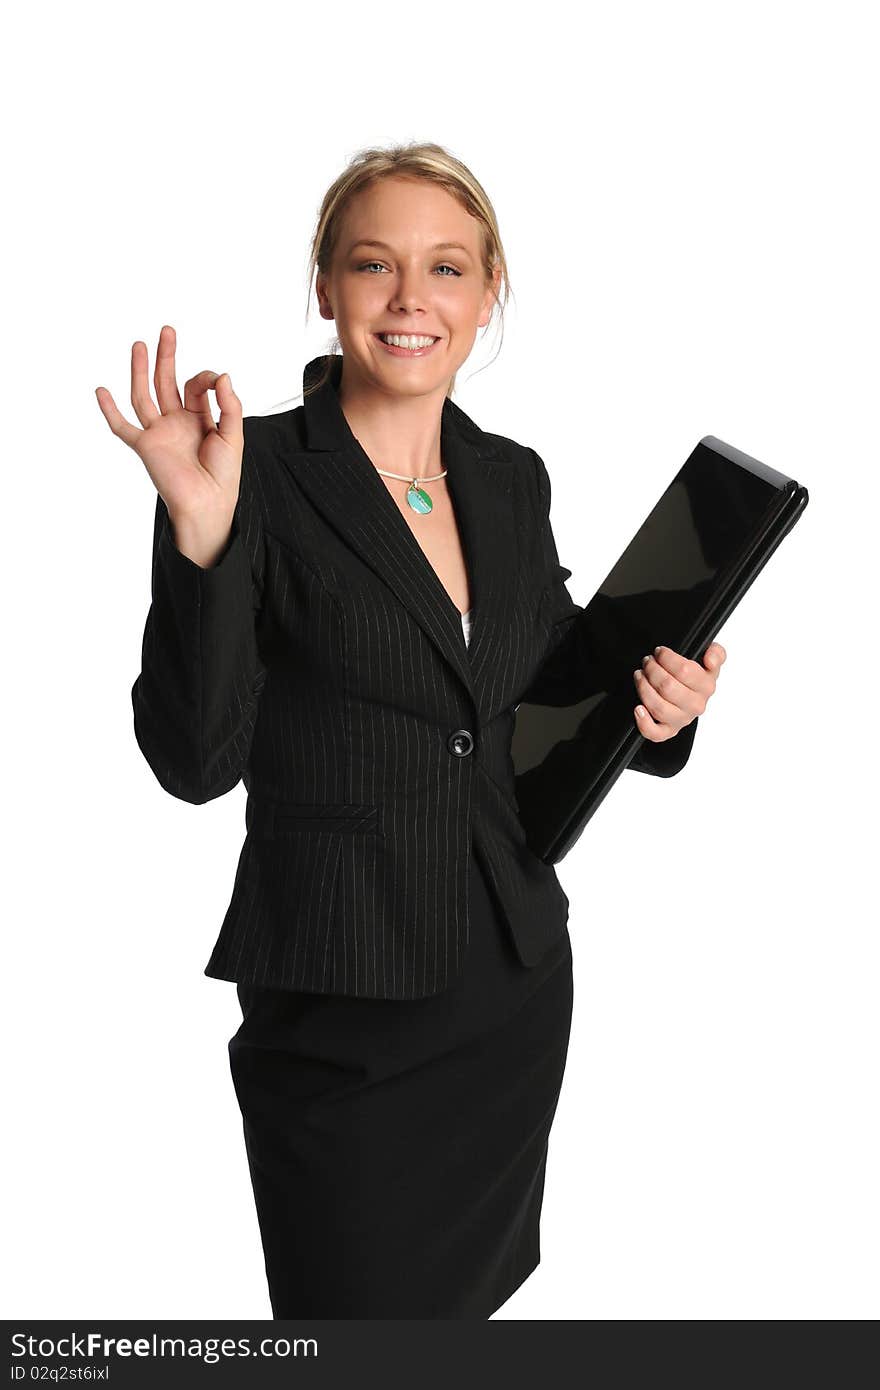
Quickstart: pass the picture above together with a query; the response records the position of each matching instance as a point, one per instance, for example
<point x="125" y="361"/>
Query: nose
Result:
<point x="407" y="297"/>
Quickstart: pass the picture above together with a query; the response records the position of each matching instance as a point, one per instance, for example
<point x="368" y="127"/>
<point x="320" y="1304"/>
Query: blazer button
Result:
<point x="461" y="742"/>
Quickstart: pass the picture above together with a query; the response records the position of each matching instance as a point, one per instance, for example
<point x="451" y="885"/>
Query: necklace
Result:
<point x="416" y="496"/>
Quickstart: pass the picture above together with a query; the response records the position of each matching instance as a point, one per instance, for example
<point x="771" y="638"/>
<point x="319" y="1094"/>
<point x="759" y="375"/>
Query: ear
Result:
<point x="490" y="297"/>
<point x="321" y="290"/>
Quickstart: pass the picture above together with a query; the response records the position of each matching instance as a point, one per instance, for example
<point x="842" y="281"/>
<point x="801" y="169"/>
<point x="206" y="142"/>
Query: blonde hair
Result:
<point x="425" y="161"/>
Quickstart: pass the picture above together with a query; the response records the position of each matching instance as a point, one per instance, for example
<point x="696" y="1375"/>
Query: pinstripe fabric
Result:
<point x="322" y="662"/>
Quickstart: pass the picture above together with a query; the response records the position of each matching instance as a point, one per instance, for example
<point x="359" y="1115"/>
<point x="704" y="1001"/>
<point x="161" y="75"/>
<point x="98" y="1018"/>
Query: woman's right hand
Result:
<point x="194" y="464"/>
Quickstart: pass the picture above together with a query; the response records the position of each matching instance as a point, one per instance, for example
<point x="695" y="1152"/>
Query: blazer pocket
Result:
<point x="344" y="818"/>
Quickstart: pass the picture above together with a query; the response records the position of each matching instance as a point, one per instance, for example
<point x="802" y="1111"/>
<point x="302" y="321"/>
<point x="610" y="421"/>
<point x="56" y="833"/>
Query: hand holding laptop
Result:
<point x="685" y="570"/>
<point x="674" y="690"/>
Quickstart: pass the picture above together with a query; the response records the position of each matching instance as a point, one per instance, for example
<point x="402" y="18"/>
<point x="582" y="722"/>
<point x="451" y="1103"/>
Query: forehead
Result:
<point x="402" y="211"/>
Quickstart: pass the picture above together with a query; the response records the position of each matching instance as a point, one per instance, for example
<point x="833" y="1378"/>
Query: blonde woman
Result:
<point x="349" y="599"/>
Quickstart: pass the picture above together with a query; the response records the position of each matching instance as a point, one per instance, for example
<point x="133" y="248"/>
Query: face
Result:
<point x="408" y="285"/>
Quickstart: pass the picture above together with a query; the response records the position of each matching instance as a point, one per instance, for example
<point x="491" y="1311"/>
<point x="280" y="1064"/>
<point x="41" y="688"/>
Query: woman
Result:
<point x="348" y="601"/>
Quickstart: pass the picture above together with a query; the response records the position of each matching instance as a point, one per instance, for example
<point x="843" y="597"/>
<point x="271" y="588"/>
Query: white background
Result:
<point x="685" y="196"/>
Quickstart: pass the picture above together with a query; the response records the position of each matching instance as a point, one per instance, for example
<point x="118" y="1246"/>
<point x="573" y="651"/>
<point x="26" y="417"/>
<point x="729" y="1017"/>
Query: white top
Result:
<point x="466" y="626"/>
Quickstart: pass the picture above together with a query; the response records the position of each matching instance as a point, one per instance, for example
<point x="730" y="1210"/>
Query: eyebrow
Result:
<point x="438" y="246"/>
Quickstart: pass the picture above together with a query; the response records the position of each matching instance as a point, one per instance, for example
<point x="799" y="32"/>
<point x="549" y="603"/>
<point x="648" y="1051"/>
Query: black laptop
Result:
<point x="682" y="574"/>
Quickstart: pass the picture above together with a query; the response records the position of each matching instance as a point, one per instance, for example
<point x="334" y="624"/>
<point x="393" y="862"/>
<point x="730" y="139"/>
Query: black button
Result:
<point x="460" y="742"/>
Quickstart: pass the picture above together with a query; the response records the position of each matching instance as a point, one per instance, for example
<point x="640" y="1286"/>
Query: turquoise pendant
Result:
<point x="418" y="499"/>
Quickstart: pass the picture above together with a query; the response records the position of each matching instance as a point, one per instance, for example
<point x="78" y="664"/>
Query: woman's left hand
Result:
<point x="674" y="690"/>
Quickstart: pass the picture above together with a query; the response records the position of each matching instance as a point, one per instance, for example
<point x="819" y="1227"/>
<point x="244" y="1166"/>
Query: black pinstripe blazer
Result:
<point x="322" y="662"/>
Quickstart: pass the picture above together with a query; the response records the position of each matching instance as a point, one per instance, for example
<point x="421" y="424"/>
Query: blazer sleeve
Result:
<point x="573" y="654"/>
<point x="195" y="699"/>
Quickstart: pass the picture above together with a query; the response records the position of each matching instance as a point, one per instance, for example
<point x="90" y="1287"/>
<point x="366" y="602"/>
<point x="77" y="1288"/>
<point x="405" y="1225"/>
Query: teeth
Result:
<point x="406" y="342"/>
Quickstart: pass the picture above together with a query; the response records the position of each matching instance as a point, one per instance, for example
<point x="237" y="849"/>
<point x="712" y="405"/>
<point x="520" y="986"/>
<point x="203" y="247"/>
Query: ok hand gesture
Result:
<point x="194" y="464"/>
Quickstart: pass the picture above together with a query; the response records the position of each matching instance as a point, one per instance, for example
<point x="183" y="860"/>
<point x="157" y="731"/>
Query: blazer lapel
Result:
<point x="343" y="485"/>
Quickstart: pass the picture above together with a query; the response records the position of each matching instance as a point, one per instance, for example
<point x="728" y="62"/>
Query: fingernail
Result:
<point x="657" y="651"/>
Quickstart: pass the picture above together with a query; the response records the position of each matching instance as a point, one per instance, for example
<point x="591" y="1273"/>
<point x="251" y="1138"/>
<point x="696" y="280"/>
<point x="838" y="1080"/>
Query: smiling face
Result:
<point x="413" y="283"/>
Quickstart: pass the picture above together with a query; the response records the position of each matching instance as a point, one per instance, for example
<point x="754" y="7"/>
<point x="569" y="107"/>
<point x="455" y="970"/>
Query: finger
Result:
<point x="121" y="427"/>
<point x="195" y="396"/>
<point x="714" y="656"/>
<point x="141" y="399"/>
<point x="647" y="726"/>
<point x="164" y="378"/>
<point x="662" y="709"/>
<point x="693" y="677"/>
<point x="230" y="425"/>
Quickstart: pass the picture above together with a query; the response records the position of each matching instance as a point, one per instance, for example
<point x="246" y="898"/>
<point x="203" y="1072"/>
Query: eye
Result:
<point x="368" y="264"/>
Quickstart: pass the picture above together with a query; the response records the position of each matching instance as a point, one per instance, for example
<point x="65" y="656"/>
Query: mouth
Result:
<point x="397" y="351"/>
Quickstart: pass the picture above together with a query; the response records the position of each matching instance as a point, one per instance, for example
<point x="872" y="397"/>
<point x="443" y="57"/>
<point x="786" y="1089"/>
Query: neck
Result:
<point x="401" y="433"/>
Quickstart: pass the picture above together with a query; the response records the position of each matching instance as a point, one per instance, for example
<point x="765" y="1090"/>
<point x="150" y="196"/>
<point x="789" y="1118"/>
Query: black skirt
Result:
<point x="397" y="1148"/>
